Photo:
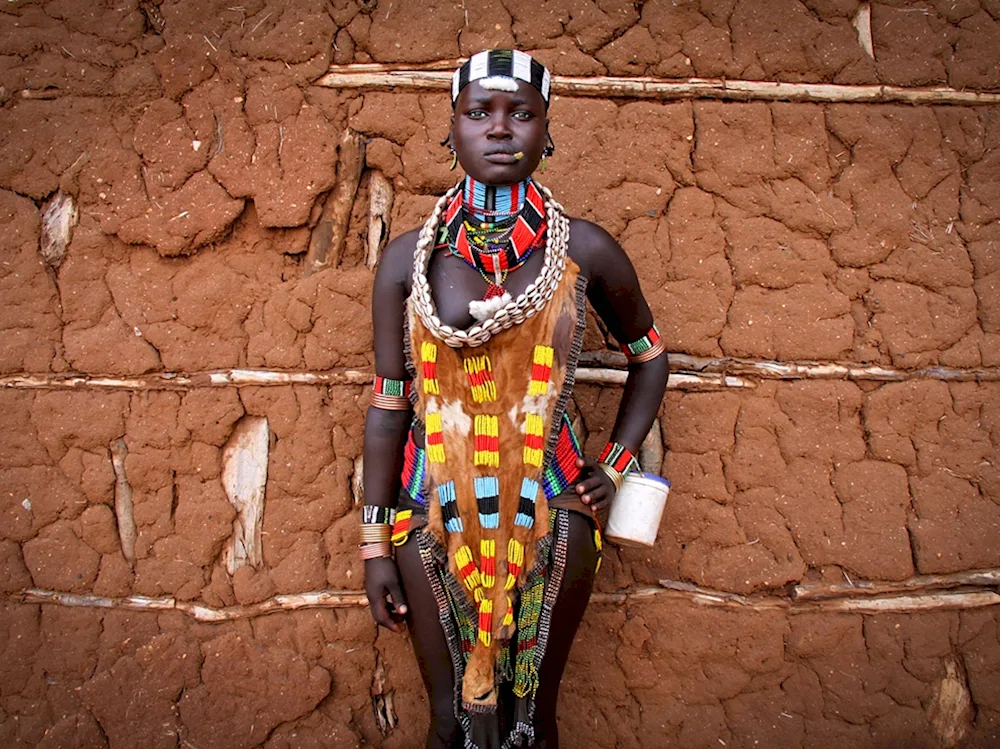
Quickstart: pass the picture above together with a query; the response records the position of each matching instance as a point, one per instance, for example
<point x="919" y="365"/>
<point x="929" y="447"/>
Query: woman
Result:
<point x="470" y="463"/>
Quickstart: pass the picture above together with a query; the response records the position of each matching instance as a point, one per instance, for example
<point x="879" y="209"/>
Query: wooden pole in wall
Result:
<point x="433" y="78"/>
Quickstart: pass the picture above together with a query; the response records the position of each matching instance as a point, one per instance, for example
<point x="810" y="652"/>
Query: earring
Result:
<point x="541" y="167"/>
<point x="454" y="160"/>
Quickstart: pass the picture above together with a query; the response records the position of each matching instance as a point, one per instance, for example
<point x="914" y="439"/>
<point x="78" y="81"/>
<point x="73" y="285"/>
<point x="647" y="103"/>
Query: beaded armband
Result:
<point x="648" y="347"/>
<point x="391" y="395"/>
<point x="616" y="461"/>
<point x="378" y="515"/>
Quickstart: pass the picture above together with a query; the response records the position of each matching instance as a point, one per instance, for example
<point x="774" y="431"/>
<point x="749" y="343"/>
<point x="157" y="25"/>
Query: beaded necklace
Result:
<point x="508" y="223"/>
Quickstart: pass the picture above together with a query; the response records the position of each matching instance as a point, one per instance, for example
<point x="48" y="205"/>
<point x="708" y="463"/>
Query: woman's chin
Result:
<point x="498" y="173"/>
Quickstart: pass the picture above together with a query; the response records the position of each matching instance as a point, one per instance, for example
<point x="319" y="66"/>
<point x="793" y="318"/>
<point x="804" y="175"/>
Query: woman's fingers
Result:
<point x="596" y="489"/>
<point x="398" y="600"/>
<point x="380" y="613"/>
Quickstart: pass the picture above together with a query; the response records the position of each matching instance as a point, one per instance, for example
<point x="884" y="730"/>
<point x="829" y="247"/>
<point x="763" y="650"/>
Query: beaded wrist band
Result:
<point x="373" y="514"/>
<point x="391" y="395"/>
<point x="375" y="551"/>
<point x="618" y="458"/>
<point x="646" y="348"/>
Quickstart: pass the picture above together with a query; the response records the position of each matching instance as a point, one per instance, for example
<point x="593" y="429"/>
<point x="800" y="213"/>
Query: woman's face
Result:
<point x="490" y="128"/>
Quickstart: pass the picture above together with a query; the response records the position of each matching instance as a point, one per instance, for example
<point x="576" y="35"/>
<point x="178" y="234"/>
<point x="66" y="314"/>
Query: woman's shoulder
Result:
<point x="396" y="260"/>
<point x="591" y="247"/>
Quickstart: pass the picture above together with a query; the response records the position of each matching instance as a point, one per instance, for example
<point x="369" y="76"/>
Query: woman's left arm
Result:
<point x="613" y="290"/>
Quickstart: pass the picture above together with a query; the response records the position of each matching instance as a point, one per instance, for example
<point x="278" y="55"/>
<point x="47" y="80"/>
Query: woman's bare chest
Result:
<point x="454" y="284"/>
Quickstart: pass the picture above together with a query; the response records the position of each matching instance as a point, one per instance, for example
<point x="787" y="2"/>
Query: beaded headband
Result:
<point x="500" y="69"/>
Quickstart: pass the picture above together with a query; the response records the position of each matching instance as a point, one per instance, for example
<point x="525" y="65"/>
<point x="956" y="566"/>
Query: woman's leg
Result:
<point x="578" y="581"/>
<point x="430" y="646"/>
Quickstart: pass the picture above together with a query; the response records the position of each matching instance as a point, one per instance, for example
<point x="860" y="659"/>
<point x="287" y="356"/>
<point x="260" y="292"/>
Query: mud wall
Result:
<point x="187" y="237"/>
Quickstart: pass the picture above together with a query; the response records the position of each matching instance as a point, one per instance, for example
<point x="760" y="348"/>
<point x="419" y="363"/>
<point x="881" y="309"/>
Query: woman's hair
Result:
<point x="500" y="70"/>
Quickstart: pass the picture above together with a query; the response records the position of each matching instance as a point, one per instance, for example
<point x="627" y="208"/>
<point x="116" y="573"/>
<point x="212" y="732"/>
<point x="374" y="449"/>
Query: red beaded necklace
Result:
<point x="527" y="233"/>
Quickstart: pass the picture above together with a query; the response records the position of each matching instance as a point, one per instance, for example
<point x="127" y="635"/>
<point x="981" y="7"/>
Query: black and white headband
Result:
<point x="500" y="70"/>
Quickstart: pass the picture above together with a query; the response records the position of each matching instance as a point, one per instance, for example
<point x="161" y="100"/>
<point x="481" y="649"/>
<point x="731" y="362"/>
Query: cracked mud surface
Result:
<point x="199" y="154"/>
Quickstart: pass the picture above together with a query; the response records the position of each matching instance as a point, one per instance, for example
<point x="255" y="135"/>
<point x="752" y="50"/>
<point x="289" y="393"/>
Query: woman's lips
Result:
<point x="502" y="157"/>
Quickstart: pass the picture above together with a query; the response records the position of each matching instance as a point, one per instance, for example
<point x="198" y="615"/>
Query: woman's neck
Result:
<point x="484" y="201"/>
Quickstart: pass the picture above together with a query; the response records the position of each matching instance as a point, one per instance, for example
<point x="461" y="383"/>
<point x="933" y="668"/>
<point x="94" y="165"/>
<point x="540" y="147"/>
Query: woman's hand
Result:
<point x="385" y="594"/>
<point x="594" y="486"/>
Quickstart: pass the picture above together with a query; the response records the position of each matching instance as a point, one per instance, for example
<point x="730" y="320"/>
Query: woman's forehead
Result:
<point x="476" y="92"/>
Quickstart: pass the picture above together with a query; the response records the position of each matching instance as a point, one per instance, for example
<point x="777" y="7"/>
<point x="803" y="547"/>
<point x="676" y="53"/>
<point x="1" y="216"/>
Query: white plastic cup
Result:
<point x="636" y="510"/>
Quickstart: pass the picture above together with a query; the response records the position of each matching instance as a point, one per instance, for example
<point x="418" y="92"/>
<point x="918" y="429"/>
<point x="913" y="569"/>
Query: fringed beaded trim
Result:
<point x="414" y="469"/>
<point x="525" y="516"/>
<point x="372" y="514"/>
<point x="390" y="394"/>
<point x="487" y="562"/>
<point x="486" y="621"/>
<point x="449" y="507"/>
<point x="561" y="470"/>
<point x="541" y="370"/>
<point x="401" y="528"/>
<point x="480" y="373"/>
<point x="618" y="457"/>
<point x="646" y="348"/>
<point x="434" y="438"/>
<point x="534" y="440"/>
<point x="487" y="490"/>
<point x="487" y="441"/>
<point x="599" y="545"/>
<point x="428" y="363"/>
<point x="515" y="560"/>
<point x="467" y="570"/>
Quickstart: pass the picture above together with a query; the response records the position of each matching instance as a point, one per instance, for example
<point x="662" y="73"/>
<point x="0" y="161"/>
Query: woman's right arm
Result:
<point x="386" y="430"/>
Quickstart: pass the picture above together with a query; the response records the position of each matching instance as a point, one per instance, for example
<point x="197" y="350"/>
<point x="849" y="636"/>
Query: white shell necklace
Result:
<point x="513" y="312"/>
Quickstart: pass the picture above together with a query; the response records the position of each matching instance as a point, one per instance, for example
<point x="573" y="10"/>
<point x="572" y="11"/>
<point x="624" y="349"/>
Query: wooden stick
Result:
<point x="658" y="88"/>
<point x="179" y="381"/>
<point x="324" y="599"/>
<point x="669" y="590"/>
<point x="326" y="243"/>
<point x="259" y="377"/>
<point x="919" y="583"/>
<point x="803" y="370"/>
<point x="678" y="381"/>
<point x="687" y="373"/>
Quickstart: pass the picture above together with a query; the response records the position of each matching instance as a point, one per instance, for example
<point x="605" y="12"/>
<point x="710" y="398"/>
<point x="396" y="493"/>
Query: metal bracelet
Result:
<point x="375" y="551"/>
<point x="375" y="532"/>
<point x="616" y="476"/>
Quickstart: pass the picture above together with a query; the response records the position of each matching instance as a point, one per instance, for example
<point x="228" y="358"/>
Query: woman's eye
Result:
<point x="476" y="114"/>
<point x="523" y="115"/>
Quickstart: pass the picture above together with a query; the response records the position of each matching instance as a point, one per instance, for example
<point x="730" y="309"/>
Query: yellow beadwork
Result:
<point x="534" y="427"/>
<point x="599" y="545"/>
<point x="508" y="618"/>
<point x="486" y="621"/>
<point x="487" y="446"/>
<point x="515" y="559"/>
<point x="435" y="440"/>
<point x="480" y="374"/>
<point x="428" y="357"/>
<point x="467" y="570"/>
<point x="541" y="370"/>
<point x="487" y="560"/>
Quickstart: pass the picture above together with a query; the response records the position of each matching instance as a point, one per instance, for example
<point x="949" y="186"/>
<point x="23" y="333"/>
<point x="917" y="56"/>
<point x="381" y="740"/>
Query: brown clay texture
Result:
<point x="199" y="153"/>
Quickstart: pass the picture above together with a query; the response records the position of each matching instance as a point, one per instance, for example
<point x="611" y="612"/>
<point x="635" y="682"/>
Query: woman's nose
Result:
<point x="499" y="128"/>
